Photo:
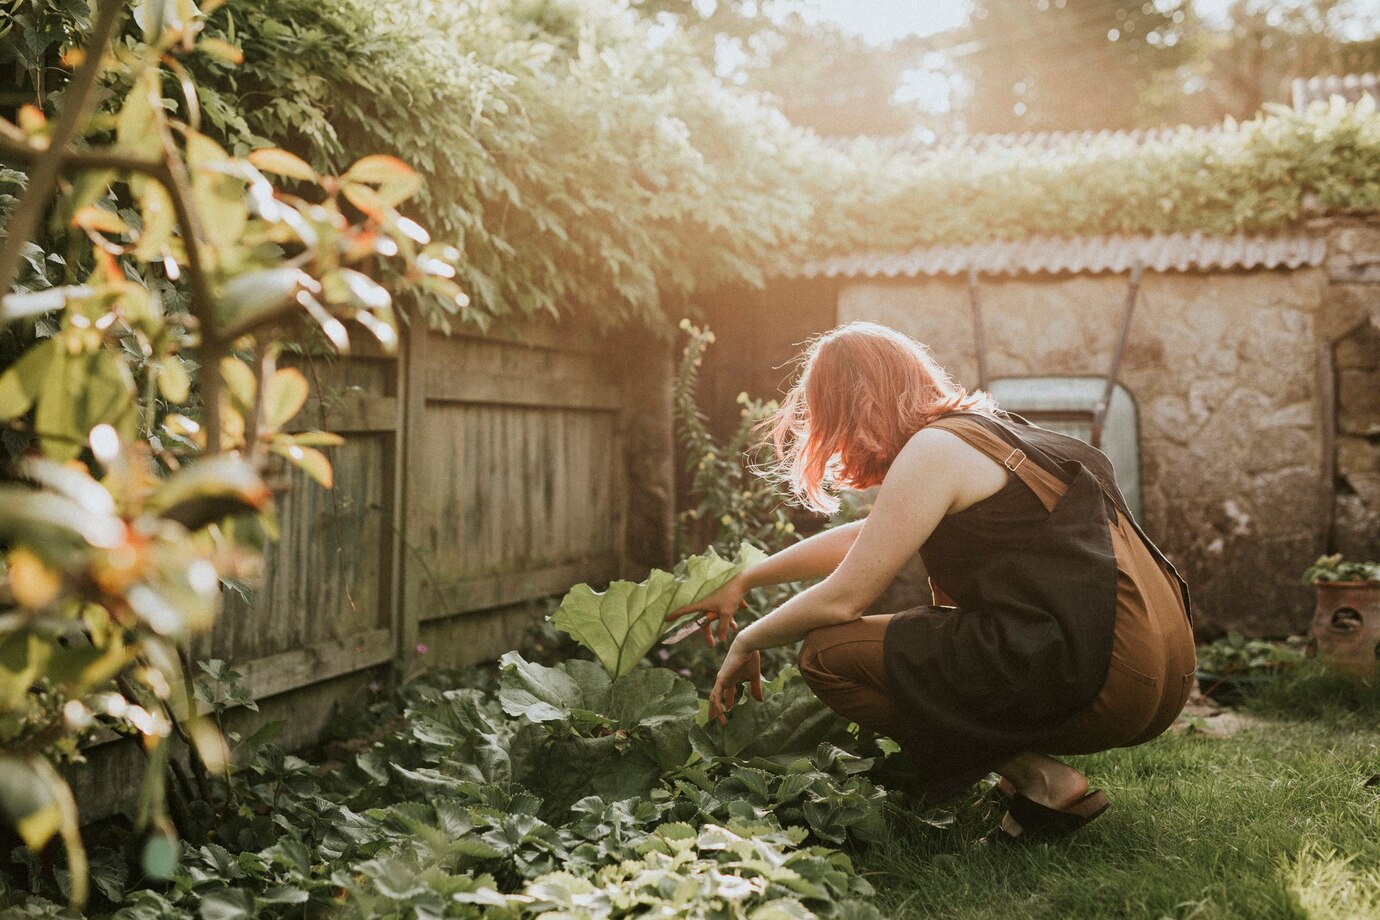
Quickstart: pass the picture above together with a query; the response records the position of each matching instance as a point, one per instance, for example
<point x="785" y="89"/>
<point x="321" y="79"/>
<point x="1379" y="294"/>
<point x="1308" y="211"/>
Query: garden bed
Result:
<point x="533" y="790"/>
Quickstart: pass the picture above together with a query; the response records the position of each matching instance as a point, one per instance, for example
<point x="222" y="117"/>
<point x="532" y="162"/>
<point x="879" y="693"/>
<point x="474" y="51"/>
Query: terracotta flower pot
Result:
<point x="1346" y="626"/>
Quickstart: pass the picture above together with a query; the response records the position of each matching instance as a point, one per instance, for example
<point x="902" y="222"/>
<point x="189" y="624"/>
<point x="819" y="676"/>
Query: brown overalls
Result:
<point x="1148" y="674"/>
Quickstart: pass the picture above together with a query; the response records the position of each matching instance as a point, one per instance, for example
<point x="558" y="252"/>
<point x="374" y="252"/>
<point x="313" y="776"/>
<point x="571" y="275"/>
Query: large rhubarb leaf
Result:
<point x="790" y="723"/>
<point x="622" y="624"/>
<point x="583" y="692"/>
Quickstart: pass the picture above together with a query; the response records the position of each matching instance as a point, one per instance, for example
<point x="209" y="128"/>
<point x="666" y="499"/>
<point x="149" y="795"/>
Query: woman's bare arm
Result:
<point x="920" y="488"/>
<point x="812" y="558"/>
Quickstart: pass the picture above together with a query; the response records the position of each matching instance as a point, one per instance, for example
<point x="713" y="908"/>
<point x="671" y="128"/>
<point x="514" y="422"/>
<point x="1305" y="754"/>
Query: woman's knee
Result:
<point x="809" y="658"/>
<point x="843" y="652"/>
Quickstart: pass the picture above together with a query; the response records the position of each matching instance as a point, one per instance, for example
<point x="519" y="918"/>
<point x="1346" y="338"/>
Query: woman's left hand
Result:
<point x="739" y="667"/>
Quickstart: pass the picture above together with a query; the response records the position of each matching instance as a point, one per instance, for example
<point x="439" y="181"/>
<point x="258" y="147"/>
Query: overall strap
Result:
<point x="1047" y="487"/>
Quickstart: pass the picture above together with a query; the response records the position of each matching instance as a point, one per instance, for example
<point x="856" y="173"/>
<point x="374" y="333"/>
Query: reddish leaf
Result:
<point x="282" y="163"/>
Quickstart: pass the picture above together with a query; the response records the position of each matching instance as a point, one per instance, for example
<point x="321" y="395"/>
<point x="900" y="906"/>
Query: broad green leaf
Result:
<point x="285" y="394"/>
<point x="582" y="690"/>
<point x="227" y="904"/>
<point x="246" y="297"/>
<point x="20" y="384"/>
<point x="203" y="493"/>
<point x="649" y="697"/>
<point x="137" y="126"/>
<point x="544" y="694"/>
<point x="240" y="382"/>
<point x="36" y="802"/>
<point x="285" y="894"/>
<point x="221" y="50"/>
<point x="79" y="392"/>
<point x="173" y="379"/>
<point x="789" y="724"/>
<point x="219" y="196"/>
<point x="310" y="461"/>
<point x="157" y="215"/>
<point x="622" y="624"/>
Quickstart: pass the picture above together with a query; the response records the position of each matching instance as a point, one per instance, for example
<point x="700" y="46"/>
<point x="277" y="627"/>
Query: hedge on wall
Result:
<point x="581" y="170"/>
<point x="586" y="170"/>
<point x="589" y="173"/>
<point x="1265" y="174"/>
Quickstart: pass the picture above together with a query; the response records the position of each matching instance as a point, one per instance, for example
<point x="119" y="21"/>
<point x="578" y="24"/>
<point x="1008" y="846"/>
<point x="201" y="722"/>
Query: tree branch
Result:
<point x="171" y="173"/>
<point x="213" y="346"/>
<point x="42" y="179"/>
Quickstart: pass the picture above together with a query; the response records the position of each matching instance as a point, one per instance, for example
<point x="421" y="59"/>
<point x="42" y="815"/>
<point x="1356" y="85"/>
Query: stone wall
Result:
<point x="1352" y="334"/>
<point x="1224" y="369"/>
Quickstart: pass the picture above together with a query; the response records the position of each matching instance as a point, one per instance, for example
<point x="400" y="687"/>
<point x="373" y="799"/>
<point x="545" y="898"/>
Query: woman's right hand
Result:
<point x="719" y="609"/>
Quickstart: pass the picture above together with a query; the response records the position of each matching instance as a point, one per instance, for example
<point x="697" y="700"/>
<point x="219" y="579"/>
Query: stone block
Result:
<point x="1344" y="306"/>
<point x="1353" y="253"/>
<point x="1356" y="530"/>
<point x="1251" y="585"/>
<point x="1360" y="351"/>
<point x="1297" y="415"/>
<point x="1366" y="486"/>
<point x="1167" y="417"/>
<point x="1357" y="455"/>
<point x="1286" y="500"/>
<point x="1358" y="401"/>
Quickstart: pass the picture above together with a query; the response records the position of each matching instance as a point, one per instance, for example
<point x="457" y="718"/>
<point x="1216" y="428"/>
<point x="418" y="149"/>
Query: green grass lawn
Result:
<point x="1277" y="817"/>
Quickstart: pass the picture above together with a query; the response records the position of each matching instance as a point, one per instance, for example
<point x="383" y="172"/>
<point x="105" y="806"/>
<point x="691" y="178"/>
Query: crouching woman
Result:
<point x="1057" y="628"/>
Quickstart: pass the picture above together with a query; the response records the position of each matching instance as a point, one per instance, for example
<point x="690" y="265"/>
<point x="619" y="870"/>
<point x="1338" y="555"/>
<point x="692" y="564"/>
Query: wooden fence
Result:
<point x="481" y="476"/>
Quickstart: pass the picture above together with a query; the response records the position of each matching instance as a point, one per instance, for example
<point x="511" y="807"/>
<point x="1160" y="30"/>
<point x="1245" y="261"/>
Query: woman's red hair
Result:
<point x="863" y="391"/>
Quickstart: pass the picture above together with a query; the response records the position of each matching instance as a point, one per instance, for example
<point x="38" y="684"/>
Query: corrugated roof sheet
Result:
<point x="1032" y="142"/>
<point x="1350" y="87"/>
<point x="1171" y="252"/>
<point x="1045" y="141"/>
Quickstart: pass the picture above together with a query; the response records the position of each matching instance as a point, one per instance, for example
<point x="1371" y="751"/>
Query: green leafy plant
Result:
<point x="621" y="624"/>
<point x="118" y="537"/>
<point x="733" y="504"/>
<point x="1235" y="655"/>
<point x="1334" y="568"/>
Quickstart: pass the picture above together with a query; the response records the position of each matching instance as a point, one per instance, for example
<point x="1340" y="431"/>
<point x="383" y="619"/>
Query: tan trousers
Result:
<point x="1151" y="673"/>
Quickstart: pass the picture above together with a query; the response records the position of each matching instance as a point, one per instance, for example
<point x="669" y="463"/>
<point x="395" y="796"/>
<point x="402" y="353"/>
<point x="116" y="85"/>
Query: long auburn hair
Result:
<point x="864" y="389"/>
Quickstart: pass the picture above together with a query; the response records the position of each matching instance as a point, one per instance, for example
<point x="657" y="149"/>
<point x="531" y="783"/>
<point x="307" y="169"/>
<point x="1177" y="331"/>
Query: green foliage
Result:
<point x="117" y="538"/>
<point x="581" y="170"/>
<point x="559" y="788"/>
<point x="1266" y="174"/>
<point x="733" y="504"/>
<point x="1235" y="655"/>
<point x="584" y="172"/>
<point x="1335" y="568"/>
<point x="621" y="624"/>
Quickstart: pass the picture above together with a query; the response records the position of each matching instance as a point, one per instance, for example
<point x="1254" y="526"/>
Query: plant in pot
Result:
<point x="1231" y="666"/>
<point x="1346" y="618"/>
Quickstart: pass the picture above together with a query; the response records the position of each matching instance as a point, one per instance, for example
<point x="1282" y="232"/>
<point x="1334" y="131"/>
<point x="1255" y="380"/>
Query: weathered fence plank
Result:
<point x="481" y="475"/>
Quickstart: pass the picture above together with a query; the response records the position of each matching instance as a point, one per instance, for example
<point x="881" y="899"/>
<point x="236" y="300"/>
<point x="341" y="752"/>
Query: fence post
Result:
<point x="407" y="459"/>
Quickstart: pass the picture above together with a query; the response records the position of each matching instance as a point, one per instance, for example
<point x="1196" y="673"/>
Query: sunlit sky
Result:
<point x="882" y="21"/>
